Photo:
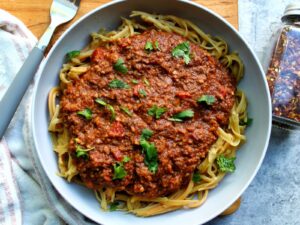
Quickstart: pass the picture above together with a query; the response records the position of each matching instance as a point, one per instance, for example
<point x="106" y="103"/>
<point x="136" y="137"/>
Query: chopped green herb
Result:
<point x="126" y="110"/>
<point x="119" y="171"/>
<point x="72" y="54"/>
<point x="126" y="159"/>
<point x="148" y="46"/>
<point x="156" y="44"/>
<point x="156" y="112"/>
<point x="135" y="81"/>
<point x="81" y="152"/>
<point x="146" y="134"/>
<point x="248" y="122"/>
<point x="118" y="84"/>
<point x="179" y="117"/>
<point x="86" y="113"/>
<point x="100" y="102"/>
<point x="112" y="111"/>
<point x="142" y="92"/>
<point x="226" y="164"/>
<point x="182" y="50"/>
<point x="120" y="66"/>
<point x="196" y="177"/>
<point x="146" y="82"/>
<point x="207" y="99"/>
<point x="113" y="206"/>
<point x="150" y="152"/>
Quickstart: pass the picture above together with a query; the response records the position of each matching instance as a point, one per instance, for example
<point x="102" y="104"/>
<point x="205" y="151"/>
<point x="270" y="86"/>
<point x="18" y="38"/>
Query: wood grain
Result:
<point x="35" y="13"/>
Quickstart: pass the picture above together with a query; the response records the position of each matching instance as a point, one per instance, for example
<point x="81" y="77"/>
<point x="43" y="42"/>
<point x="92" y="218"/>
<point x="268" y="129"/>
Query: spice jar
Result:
<point x="283" y="75"/>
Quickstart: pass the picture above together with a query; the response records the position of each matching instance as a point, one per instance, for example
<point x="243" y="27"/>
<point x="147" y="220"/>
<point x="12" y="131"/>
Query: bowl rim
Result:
<point x="197" y="5"/>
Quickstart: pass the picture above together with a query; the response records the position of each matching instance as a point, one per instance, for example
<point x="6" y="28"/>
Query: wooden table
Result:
<point x="35" y="15"/>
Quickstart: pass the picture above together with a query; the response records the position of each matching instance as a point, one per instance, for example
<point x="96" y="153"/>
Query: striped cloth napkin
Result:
<point x="26" y="195"/>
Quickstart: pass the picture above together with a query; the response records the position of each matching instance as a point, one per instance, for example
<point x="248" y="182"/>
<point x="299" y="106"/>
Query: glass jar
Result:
<point x="283" y="74"/>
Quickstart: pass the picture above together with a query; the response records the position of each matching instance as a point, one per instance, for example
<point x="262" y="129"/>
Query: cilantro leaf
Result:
<point x="82" y="152"/>
<point x="126" y="110"/>
<point x="146" y="134"/>
<point x="151" y="157"/>
<point x="118" y="84"/>
<point x="179" y="117"/>
<point x="108" y="106"/>
<point x="100" y="102"/>
<point x="196" y="177"/>
<point x="126" y="159"/>
<point x="86" y="113"/>
<point x="113" y="206"/>
<point x="119" y="171"/>
<point x="120" y="66"/>
<point x="226" y="164"/>
<point x="207" y="99"/>
<point x="156" y="44"/>
<point x="156" y="112"/>
<point x="182" y="50"/>
<point x="248" y="122"/>
<point x="148" y="46"/>
<point x="72" y="54"/>
<point x="142" y="92"/>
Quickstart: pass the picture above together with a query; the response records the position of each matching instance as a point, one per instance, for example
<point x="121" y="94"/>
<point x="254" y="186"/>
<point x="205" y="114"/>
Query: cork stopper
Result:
<point x="291" y="10"/>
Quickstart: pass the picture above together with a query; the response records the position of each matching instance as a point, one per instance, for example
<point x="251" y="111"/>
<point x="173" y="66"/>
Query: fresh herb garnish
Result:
<point x="179" y="117"/>
<point x="119" y="171"/>
<point x="86" y="113"/>
<point x="146" y="134"/>
<point x="226" y="164"/>
<point x="135" y="81"/>
<point x="196" y="177"/>
<point x="113" y="206"/>
<point x="126" y="159"/>
<point x="126" y="110"/>
<point x="182" y="50"/>
<point x="72" y="54"/>
<point x="248" y="122"/>
<point x="156" y="111"/>
<point x="142" y="92"/>
<point x="81" y="152"/>
<point x="118" y="84"/>
<point x="207" y="99"/>
<point x="149" y="150"/>
<point x="148" y="46"/>
<point x="156" y="44"/>
<point x="120" y="66"/>
<point x="146" y="82"/>
<point x="108" y="106"/>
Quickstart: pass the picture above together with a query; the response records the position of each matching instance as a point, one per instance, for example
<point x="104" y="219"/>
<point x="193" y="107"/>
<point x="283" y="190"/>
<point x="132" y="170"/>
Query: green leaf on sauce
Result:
<point x="113" y="206"/>
<point x="126" y="110"/>
<point x="86" y="113"/>
<point x="179" y="117"/>
<point x="148" y="46"/>
<point x="118" y="84"/>
<point x="207" y="99"/>
<point x="126" y="159"/>
<point x="119" y="171"/>
<point x="120" y="66"/>
<point x="146" y="134"/>
<point x="146" y="82"/>
<point x="100" y="102"/>
<point x="142" y="92"/>
<point x="156" y="44"/>
<point x="72" y="54"/>
<point x="196" y="177"/>
<point x="226" y="164"/>
<point x="134" y="81"/>
<point x="156" y="112"/>
<point x="82" y="152"/>
<point x="248" y="122"/>
<point x="150" y="152"/>
<point x="182" y="50"/>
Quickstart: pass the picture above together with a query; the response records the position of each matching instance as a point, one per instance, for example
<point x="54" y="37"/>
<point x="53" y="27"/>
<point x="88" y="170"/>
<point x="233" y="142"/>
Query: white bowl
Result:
<point x="250" y="155"/>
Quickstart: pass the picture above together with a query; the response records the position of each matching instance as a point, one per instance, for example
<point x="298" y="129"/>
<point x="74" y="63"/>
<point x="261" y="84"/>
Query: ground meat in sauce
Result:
<point x="172" y="85"/>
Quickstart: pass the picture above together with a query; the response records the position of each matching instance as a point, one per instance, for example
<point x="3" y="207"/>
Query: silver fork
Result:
<point x="61" y="12"/>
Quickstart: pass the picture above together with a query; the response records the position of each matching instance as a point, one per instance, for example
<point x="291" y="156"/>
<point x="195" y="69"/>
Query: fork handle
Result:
<point x="13" y="96"/>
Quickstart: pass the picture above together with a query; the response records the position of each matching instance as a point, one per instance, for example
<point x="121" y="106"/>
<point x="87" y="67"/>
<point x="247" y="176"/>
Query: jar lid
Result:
<point x="292" y="9"/>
